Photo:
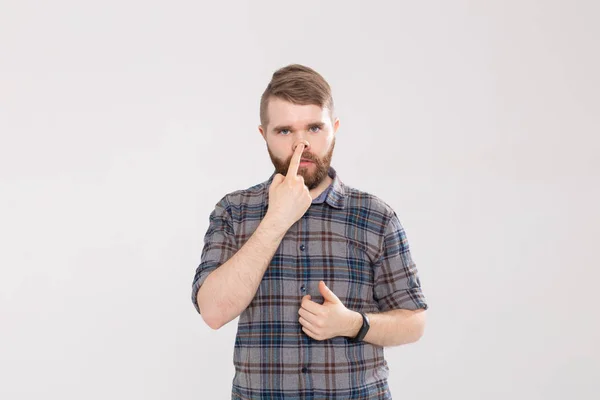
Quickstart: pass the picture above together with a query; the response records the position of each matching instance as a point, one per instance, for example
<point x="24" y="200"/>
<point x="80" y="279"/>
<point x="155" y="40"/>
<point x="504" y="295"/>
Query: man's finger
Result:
<point x="311" y="306"/>
<point x="310" y="333"/>
<point x="307" y="324"/>
<point x="307" y="315"/>
<point x="295" y="162"/>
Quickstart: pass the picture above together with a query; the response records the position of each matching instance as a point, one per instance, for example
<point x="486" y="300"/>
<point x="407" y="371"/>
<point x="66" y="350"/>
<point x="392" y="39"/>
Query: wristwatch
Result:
<point x="363" y="330"/>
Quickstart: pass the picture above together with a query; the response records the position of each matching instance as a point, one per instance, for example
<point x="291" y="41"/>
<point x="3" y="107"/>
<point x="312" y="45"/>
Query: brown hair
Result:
<point x="297" y="84"/>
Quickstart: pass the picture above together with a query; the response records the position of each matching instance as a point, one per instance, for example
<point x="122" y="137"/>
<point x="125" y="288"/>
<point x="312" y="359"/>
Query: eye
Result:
<point x="315" y="128"/>
<point x="284" y="130"/>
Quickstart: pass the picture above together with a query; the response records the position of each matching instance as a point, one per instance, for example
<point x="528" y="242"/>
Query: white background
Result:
<point x="122" y="123"/>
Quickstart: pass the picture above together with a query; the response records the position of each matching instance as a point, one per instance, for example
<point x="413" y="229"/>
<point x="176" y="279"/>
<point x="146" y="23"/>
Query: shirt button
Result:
<point x="304" y="370"/>
<point x="303" y="288"/>
<point x="302" y="247"/>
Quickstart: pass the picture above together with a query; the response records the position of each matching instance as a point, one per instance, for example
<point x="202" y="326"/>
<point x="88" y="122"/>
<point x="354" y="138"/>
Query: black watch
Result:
<point x="363" y="330"/>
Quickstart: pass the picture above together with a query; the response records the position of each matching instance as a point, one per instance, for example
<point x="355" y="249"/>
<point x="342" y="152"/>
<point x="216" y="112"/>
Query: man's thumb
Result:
<point x="326" y="292"/>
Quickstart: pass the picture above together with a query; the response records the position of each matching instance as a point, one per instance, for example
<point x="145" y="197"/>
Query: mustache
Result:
<point x="305" y="157"/>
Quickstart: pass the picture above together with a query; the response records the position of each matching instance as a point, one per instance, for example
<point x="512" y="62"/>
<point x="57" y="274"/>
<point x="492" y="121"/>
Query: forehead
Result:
<point x="282" y="112"/>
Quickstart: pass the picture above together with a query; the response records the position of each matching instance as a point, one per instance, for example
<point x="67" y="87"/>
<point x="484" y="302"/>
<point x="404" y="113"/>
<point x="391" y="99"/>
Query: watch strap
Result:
<point x="363" y="329"/>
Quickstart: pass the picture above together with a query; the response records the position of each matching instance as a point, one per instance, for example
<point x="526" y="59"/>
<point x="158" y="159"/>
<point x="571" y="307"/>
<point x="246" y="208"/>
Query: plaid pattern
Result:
<point x="350" y="239"/>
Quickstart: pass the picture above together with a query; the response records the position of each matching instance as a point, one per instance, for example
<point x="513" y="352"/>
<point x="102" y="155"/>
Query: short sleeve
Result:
<point x="219" y="246"/>
<point x="396" y="279"/>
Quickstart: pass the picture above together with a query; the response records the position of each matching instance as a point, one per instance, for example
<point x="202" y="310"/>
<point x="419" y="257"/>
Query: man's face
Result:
<point x="291" y="124"/>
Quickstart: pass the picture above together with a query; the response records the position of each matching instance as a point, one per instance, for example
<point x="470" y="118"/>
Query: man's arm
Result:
<point x="390" y="328"/>
<point x="229" y="289"/>
<point x="397" y="290"/>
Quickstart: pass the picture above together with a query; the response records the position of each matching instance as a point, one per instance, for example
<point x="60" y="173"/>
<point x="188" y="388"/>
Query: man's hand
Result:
<point x="327" y="320"/>
<point x="289" y="198"/>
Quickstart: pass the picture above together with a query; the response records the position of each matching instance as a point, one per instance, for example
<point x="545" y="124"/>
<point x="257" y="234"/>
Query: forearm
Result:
<point x="390" y="328"/>
<point x="228" y="290"/>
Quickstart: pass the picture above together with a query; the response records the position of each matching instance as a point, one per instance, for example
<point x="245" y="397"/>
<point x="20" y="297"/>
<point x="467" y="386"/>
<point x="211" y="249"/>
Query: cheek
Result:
<point x="321" y="146"/>
<point x="276" y="148"/>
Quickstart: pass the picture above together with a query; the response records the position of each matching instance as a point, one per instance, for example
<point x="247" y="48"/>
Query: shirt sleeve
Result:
<point x="396" y="279"/>
<point x="219" y="246"/>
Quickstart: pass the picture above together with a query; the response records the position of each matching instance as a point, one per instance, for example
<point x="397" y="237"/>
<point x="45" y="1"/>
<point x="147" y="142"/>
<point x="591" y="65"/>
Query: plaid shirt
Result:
<point x="348" y="238"/>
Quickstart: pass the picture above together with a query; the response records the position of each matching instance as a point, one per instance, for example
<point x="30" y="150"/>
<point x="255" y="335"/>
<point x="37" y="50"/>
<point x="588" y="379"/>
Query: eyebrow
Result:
<point x="289" y="127"/>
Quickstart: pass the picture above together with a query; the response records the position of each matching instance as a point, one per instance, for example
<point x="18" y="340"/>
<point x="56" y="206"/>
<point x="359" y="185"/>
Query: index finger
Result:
<point x="295" y="162"/>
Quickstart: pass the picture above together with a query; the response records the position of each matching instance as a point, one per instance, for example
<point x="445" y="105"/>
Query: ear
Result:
<point x="262" y="132"/>
<point x="336" y="125"/>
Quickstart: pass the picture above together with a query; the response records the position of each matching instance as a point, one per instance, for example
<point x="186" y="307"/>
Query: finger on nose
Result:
<point x="306" y="144"/>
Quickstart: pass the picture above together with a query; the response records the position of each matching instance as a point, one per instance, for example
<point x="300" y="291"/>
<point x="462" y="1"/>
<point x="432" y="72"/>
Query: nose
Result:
<point x="306" y="145"/>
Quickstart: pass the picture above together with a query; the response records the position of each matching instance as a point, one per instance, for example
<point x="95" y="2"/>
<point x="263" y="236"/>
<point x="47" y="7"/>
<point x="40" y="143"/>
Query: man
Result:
<point x="319" y="273"/>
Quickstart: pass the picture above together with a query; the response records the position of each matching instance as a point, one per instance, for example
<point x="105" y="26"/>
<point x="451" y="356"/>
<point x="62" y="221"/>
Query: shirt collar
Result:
<point x="335" y="194"/>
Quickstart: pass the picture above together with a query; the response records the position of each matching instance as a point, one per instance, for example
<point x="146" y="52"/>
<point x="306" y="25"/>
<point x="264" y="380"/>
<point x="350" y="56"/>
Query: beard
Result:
<point x="314" y="173"/>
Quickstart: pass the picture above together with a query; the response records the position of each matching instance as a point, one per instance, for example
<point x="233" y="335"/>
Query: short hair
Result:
<point x="297" y="84"/>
